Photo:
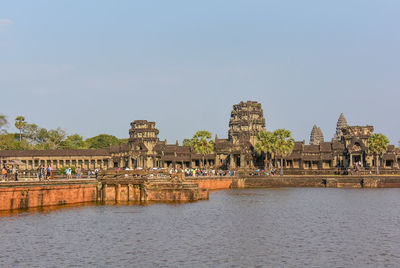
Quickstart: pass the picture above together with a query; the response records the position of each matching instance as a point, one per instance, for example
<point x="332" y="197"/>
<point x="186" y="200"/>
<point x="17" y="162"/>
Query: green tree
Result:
<point x="378" y="144"/>
<point x="8" y="142"/>
<point x="187" y="142"/>
<point x="20" y="125"/>
<point x="31" y="132"/>
<point x="202" y="143"/>
<point x="123" y="141"/>
<point x="55" y="137"/>
<point x="102" y="141"/>
<point x="74" y="141"/>
<point x="42" y="139"/>
<point x="266" y="143"/>
<point x="284" y="144"/>
<point x="3" y="123"/>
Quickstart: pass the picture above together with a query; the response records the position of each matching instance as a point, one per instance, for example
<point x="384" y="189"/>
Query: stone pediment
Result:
<point x="356" y="146"/>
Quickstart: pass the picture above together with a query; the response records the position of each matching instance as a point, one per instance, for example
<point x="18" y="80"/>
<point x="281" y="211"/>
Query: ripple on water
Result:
<point x="294" y="227"/>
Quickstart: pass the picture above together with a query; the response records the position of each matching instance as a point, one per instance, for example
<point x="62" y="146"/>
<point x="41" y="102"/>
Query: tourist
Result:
<point x="96" y="172"/>
<point x="48" y="172"/>
<point x="42" y="172"/>
<point x="78" y="172"/>
<point x="15" y="170"/>
<point x="38" y="173"/>
<point x="88" y="174"/>
<point x="68" y="171"/>
<point x="4" y="173"/>
<point x="51" y="174"/>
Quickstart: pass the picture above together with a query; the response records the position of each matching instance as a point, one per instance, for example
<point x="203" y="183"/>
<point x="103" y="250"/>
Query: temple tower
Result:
<point x="341" y="124"/>
<point x="316" y="137"/>
<point x="247" y="119"/>
<point x="143" y="131"/>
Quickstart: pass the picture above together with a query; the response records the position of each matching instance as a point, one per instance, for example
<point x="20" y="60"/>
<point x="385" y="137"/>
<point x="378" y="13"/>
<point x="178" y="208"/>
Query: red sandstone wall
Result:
<point x="122" y="193"/>
<point x="40" y="196"/>
<point x="213" y="183"/>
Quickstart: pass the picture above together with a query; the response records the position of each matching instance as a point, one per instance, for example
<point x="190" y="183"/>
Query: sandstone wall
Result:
<point x="319" y="181"/>
<point x="212" y="183"/>
<point x="29" y="195"/>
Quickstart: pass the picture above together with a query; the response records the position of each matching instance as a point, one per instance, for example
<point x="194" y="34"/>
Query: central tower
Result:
<point x="247" y="119"/>
<point x="145" y="132"/>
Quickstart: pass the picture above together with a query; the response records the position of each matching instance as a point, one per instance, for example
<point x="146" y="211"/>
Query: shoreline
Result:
<point x="39" y="194"/>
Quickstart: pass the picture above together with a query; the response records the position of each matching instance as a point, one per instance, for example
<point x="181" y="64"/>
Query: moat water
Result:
<point x="288" y="227"/>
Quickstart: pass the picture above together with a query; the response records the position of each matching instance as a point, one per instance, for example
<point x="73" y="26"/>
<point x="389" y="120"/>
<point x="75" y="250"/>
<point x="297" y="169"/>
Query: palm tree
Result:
<point x="378" y="144"/>
<point x="20" y="124"/>
<point x="202" y="143"/>
<point x="284" y="144"/>
<point x="266" y="143"/>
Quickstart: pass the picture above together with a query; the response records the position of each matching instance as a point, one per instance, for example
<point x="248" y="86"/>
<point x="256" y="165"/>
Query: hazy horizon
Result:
<point x="92" y="67"/>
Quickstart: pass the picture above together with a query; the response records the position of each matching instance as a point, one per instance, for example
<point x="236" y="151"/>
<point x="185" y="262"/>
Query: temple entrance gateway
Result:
<point x="237" y="160"/>
<point x="356" y="158"/>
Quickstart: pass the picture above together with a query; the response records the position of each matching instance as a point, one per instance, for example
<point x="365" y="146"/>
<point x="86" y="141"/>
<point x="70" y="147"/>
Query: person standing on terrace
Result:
<point x="78" y="172"/>
<point x="4" y="173"/>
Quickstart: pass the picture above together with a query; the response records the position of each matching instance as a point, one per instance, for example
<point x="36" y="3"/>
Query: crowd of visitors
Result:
<point x="44" y="173"/>
<point x="9" y="173"/>
<point x="196" y="172"/>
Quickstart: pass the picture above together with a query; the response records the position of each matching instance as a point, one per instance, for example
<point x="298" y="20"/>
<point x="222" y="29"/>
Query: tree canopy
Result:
<point x="31" y="136"/>
<point x="102" y="141"/>
<point x="20" y="125"/>
<point x="3" y="123"/>
<point x="187" y="142"/>
<point x="266" y="143"/>
<point x="202" y="143"/>
<point x="280" y="142"/>
<point x="74" y="141"/>
<point x="377" y="144"/>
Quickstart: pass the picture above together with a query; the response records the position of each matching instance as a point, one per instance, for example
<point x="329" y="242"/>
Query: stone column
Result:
<point x="130" y="163"/>
<point x="104" y="195"/>
<point x="130" y="192"/>
<point x="118" y="192"/>
<point x="242" y="161"/>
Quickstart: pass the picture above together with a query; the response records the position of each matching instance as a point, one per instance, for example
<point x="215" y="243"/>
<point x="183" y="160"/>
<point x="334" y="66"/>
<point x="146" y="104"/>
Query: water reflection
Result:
<point x="250" y="227"/>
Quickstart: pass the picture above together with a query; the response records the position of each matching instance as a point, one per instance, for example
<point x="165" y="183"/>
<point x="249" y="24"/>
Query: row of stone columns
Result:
<point x="86" y="163"/>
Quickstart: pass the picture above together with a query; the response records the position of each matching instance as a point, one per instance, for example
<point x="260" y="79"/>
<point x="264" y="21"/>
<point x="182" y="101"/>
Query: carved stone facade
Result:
<point x="347" y="152"/>
<point x="316" y="137"/>
<point x="247" y="119"/>
<point x="348" y="149"/>
<point x="341" y="124"/>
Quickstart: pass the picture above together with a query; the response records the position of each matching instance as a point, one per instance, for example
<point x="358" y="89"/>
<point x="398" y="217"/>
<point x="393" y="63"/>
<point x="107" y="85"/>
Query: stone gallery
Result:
<point x="348" y="148"/>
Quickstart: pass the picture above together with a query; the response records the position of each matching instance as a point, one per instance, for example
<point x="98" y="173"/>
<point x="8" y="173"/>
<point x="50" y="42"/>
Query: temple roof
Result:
<point x="342" y="122"/>
<point x="40" y="153"/>
<point x="311" y="148"/>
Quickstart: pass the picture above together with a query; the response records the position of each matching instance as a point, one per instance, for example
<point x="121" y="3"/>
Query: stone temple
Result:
<point x="145" y="150"/>
<point x="316" y="137"/>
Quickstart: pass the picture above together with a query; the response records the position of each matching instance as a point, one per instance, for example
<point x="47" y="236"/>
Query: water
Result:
<point x="289" y="227"/>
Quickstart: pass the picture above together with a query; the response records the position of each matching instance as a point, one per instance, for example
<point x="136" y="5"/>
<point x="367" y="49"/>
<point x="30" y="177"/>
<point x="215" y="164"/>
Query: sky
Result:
<point x="92" y="67"/>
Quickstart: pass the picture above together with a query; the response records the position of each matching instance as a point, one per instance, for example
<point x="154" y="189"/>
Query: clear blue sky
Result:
<point x="92" y="67"/>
